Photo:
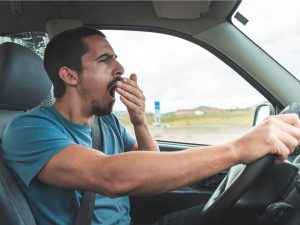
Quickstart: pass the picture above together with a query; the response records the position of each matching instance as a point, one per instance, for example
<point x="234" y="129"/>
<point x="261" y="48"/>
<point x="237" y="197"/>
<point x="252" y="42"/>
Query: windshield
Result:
<point x="274" y="26"/>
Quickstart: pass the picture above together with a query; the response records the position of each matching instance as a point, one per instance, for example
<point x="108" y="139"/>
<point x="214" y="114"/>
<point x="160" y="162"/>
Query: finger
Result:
<point x="283" y="123"/>
<point x="288" y="140"/>
<point x="132" y="83"/>
<point x="292" y="131"/>
<point x="133" y="90"/>
<point x="284" y="144"/>
<point x="292" y="119"/>
<point x="133" y="77"/>
<point x="130" y="105"/>
<point x="282" y="154"/>
<point x="129" y="92"/>
<point x="131" y="97"/>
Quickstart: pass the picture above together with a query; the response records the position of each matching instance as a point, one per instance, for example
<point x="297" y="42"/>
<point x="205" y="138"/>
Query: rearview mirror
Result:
<point x="262" y="111"/>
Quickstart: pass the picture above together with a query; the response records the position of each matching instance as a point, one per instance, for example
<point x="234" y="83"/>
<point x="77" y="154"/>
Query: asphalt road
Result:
<point x="199" y="135"/>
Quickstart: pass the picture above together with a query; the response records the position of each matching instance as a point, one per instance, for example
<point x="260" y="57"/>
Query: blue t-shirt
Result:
<point x="34" y="137"/>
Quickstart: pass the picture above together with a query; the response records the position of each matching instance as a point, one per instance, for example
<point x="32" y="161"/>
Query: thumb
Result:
<point x="133" y="77"/>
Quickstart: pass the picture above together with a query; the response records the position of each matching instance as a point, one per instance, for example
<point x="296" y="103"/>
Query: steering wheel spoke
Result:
<point x="233" y="186"/>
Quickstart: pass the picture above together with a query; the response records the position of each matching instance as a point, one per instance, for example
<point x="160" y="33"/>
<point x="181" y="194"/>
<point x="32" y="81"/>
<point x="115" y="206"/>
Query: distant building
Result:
<point x="189" y="112"/>
<point x="198" y="113"/>
<point x="181" y="112"/>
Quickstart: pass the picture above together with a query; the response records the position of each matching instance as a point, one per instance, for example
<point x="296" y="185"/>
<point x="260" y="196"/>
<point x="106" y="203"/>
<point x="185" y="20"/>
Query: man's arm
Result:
<point x="133" y="98"/>
<point x="139" y="173"/>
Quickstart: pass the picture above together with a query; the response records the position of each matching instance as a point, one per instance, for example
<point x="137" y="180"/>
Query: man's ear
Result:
<point x="70" y="77"/>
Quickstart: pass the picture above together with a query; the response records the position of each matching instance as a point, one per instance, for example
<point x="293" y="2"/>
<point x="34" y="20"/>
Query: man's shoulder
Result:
<point x="31" y="118"/>
<point x="41" y="113"/>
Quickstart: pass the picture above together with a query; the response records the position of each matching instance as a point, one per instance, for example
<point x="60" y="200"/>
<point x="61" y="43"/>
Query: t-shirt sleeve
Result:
<point x="29" y="143"/>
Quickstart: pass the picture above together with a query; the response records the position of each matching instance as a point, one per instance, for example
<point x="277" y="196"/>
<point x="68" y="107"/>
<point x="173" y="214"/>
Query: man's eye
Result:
<point x="105" y="59"/>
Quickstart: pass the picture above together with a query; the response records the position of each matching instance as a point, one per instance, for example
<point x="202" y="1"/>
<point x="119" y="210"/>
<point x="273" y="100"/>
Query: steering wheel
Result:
<point x="238" y="180"/>
<point x="234" y="185"/>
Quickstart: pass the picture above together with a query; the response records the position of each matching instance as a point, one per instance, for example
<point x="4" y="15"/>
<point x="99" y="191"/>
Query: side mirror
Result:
<point x="262" y="111"/>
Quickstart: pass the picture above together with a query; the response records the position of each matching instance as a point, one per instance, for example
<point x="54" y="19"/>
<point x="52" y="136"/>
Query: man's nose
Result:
<point x="119" y="71"/>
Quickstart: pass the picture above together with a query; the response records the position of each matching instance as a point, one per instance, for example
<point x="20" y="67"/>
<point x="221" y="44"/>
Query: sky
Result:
<point x="274" y="25"/>
<point x="179" y="73"/>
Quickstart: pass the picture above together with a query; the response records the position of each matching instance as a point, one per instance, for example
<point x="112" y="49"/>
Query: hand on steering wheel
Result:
<point x="238" y="180"/>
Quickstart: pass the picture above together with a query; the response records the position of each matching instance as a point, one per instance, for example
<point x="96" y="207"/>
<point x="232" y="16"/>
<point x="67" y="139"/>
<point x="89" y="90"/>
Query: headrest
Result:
<point x="24" y="83"/>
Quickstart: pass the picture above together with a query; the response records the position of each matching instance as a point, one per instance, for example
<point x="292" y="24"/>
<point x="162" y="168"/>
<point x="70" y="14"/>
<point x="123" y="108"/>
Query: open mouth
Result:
<point x="112" y="92"/>
<point x="112" y="87"/>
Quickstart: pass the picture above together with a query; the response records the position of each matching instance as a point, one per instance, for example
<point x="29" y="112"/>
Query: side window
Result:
<point x="36" y="41"/>
<point x="191" y="95"/>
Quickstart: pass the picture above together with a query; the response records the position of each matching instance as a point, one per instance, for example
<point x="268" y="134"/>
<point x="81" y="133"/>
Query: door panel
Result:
<point x="151" y="208"/>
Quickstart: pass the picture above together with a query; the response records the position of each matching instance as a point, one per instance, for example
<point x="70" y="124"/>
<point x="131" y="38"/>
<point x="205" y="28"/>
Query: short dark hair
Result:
<point x="66" y="49"/>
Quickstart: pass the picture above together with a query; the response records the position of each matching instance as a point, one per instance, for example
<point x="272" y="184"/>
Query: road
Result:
<point x="201" y="134"/>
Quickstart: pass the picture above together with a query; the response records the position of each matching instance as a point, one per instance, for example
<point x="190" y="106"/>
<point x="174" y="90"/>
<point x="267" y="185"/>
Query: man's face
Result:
<point x="100" y="70"/>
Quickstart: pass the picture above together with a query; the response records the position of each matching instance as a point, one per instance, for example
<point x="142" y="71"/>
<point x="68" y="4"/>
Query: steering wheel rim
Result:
<point x="227" y="194"/>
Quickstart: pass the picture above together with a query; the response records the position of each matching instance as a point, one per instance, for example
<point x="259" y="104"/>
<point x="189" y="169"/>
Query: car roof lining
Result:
<point x="128" y="15"/>
<point x="181" y="10"/>
<point x="54" y="27"/>
<point x="18" y="18"/>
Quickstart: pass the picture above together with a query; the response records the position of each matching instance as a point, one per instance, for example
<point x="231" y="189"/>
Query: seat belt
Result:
<point x="84" y="214"/>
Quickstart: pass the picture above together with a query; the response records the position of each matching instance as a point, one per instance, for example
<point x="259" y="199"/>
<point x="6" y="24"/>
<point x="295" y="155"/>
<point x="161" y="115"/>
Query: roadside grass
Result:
<point x="234" y="117"/>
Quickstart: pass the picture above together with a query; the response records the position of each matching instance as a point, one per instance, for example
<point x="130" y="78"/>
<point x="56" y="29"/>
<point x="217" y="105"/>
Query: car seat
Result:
<point x="24" y="85"/>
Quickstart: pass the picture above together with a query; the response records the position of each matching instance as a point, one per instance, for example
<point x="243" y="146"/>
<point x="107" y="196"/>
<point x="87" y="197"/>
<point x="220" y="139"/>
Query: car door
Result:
<point x="192" y="99"/>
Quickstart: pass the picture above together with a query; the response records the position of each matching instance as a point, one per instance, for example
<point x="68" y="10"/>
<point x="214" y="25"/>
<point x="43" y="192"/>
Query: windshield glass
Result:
<point x="274" y="26"/>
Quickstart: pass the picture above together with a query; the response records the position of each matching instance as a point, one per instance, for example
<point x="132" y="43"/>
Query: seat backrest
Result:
<point x="24" y="85"/>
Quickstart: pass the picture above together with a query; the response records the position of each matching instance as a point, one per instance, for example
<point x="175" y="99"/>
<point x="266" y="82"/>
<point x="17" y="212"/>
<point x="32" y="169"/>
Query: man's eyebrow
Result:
<point x="106" y="55"/>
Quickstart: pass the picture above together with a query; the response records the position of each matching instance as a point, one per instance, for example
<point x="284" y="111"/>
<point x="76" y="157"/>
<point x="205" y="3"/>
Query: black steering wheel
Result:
<point x="238" y="180"/>
<point x="234" y="185"/>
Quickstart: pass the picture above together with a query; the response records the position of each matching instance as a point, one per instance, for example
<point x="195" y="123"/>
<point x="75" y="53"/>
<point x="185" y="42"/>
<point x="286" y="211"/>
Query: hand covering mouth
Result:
<point x="111" y="87"/>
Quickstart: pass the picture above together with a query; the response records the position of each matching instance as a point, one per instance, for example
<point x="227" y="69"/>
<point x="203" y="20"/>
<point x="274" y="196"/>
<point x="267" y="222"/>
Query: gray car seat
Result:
<point x="24" y="85"/>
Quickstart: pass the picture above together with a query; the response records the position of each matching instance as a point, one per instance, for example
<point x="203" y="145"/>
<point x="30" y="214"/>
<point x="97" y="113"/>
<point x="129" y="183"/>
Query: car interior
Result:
<point x="25" y="85"/>
<point x="242" y="195"/>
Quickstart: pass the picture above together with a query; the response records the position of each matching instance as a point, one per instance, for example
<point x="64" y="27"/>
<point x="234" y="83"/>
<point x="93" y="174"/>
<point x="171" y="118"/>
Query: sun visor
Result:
<point x="181" y="9"/>
<point x="54" y="27"/>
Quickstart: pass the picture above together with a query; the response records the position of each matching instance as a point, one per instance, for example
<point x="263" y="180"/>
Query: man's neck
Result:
<point x="72" y="111"/>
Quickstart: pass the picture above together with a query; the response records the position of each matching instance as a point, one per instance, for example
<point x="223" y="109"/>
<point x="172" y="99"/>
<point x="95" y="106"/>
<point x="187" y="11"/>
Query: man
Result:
<point x="50" y="152"/>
